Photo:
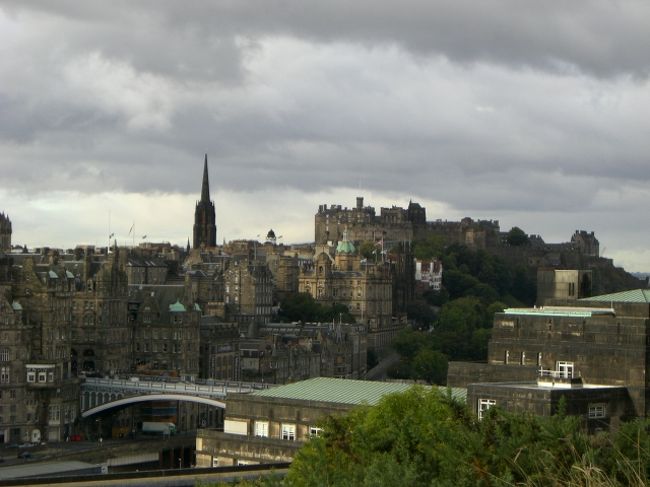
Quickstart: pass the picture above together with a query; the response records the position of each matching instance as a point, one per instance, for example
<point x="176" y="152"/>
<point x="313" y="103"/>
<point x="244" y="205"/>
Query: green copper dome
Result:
<point x="177" y="307"/>
<point x="345" y="247"/>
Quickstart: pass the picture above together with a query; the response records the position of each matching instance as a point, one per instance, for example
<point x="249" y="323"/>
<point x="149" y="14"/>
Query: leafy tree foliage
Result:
<point x="516" y="237"/>
<point x="368" y="250"/>
<point x="303" y="307"/>
<point x="430" y="248"/>
<point x="422" y="438"/>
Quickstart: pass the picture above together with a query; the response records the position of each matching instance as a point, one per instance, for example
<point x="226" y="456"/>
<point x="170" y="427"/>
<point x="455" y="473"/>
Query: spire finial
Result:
<point x="205" y="187"/>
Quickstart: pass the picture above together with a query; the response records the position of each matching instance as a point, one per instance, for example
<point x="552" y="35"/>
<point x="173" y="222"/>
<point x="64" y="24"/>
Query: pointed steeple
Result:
<point x="205" y="227"/>
<point x="205" y="187"/>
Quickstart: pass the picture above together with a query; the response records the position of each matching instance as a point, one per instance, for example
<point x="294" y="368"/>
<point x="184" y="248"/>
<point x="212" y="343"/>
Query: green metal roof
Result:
<point x="177" y="307"/>
<point x="343" y="391"/>
<point x="568" y="311"/>
<point x="632" y="296"/>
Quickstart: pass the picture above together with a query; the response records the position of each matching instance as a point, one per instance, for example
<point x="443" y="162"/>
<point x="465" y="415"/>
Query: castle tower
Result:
<point x="205" y="228"/>
<point x="5" y="233"/>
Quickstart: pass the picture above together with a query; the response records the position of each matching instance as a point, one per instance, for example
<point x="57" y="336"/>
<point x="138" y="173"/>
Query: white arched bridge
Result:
<point x="98" y="394"/>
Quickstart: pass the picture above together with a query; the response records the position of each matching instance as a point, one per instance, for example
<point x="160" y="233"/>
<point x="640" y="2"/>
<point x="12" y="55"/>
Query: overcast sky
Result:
<point x="532" y="113"/>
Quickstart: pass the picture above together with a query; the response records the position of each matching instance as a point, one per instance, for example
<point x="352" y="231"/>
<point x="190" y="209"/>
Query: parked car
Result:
<point x="25" y="455"/>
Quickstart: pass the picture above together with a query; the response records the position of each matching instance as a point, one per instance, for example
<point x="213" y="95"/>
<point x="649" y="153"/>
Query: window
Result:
<point x="42" y="377"/>
<point x="31" y="377"/>
<point x="315" y="431"/>
<point x="484" y="405"/>
<point x="262" y="428"/>
<point x="4" y="355"/>
<point x="565" y="369"/>
<point x="289" y="432"/>
<point x="598" y="410"/>
<point x="5" y="373"/>
<point x="506" y="358"/>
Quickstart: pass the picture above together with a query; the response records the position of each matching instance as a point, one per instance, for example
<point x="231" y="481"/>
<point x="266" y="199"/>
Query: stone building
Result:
<point x="342" y="347"/>
<point x="264" y="359"/>
<point x="597" y="349"/>
<point x="166" y="331"/>
<point x="284" y="265"/>
<point x="5" y="233"/>
<point x="101" y="336"/>
<point x="428" y="274"/>
<point x="205" y="227"/>
<point x="366" y="288"/>
<point x="363" y="224"/>
<point x="219" y="354"/>
<point x="586" y="243"/>
<point x="39" y="393"/>
<point x="146" y="270"/>
<point x="562" y="284"/>
<point x="248" y="291"/>
<point x="398" y="224"/>
<point x="270" y="425"/>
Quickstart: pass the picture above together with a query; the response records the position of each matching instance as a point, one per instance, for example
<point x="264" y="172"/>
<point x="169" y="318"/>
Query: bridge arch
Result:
<point x="151" y="397"/>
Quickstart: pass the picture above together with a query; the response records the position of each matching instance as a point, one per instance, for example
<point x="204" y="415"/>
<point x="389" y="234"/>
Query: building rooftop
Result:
<point x="632" y="296"/>
<point x="344" y="391"/>
<point x="569" y="311"/>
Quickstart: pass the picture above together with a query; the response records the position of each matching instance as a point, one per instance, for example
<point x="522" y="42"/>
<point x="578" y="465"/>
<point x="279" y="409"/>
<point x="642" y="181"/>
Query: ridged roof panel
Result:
<point x="343" y="391"/>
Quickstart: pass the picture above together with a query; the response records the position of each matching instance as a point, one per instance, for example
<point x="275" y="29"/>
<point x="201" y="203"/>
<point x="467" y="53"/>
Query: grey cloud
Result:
<point x="601" y="37"/>
<point x="495" y="108"/>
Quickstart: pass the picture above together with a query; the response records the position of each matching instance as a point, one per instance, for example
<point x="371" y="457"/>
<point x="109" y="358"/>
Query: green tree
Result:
<point x="421" y="437"/>
<point x="517" y="237"/>
<point x="367" y="250"/>
<point x="420" y="312"/>
<point x="430" y="248"/>
<point x="430" y="365"/>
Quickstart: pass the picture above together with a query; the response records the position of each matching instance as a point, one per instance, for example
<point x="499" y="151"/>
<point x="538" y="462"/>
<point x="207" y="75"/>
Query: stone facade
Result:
<point x="285" y="352"/>
<point x="253" y="431"/>
<point x="269" y="426"/>
<point x="219" y="357"/>
<point x="166" y="331"/>
<point x="366" y="288"/>
<point x="562" y="285"/>
<point x="398" y="224"/>
<point x="5" y="233"/>
<point x="101" y="335"/>
<point x="586" y="243"/>
<point x="593" y="347"/>
<point x="39" y="395"/>
<point x="205" y="226"/>
<point x="248" y="291"/>
<point x="600" y="408"/>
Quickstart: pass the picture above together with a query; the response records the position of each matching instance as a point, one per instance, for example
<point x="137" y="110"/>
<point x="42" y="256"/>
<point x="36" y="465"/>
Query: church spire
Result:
<point x="205" y="187"/>
<point x="205" y="227"/>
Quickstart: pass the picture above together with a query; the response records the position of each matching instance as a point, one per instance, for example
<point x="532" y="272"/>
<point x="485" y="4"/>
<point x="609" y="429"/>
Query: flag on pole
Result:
<point x="144" y="236"/>
<point x="111" y="235"/>
<point x="131" y="230"/>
